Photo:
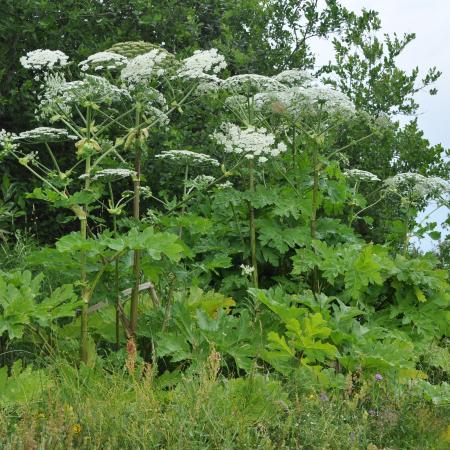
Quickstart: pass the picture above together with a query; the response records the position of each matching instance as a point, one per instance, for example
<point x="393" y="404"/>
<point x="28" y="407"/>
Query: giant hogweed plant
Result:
<point x="106" y="115"/>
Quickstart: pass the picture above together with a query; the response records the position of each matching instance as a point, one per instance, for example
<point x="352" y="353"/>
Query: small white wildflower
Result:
<point x="28" y="158"/>
<point x="226" y="185"/>
<point x="362" y="175"/>
<point x="44" y="134"/>
<point x="247" y="270"/>
<point x="186" y="157"/>
<point x="44" y="59"/>
<point x="98" y="61"/>
<point x="7" y="144"/>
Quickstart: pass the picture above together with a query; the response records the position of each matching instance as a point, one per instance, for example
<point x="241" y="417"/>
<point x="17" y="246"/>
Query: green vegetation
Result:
<point x="210" y="249"/>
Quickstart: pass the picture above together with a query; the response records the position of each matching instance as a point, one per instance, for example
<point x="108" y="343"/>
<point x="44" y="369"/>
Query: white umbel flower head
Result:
<point x="413" y="187"/>
<point x="250" y="83"/>
<point x="103" y="61"/>
<point x="361" y="175"/>
<point x="251" y="143"/>
<point x="44" y="134"/>
<point x="200" y="182"/>
<point x="114" y="174"/>
<point x="44" y="60"/>
<point x="312" y="100"/>
<point x="187" y="158"/>
<point x="295" y="78"/>
<point x="62" y="95"/>
<point x="146" y="67"/>
<point x="200" y="63"/>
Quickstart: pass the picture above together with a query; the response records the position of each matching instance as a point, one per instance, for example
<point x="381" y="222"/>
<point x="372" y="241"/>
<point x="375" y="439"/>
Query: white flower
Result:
<point x="247" y="270"/>
<point x="414" y="187"/>
<point x="362" y="175"/>
<point x="44" y="134"/>
<point x="226" y="185"/>
<point x="248" y="84"/>
<point x="7" y="144"/>
<point x="248" y="142"/>
<point x="145" y="67"/>
<point x="200" y="182"/>
<point x="118" y="172"/>
<point x="312" y="100"/>
<point x="186" y="157"/>
<point x="158" y="116"/>
<point x="295" y="78"/>
<point x="61" y="95"/>
<point x="200" y="63"/>
<point x="98" y="61"/>
<point x="44" y="59"/>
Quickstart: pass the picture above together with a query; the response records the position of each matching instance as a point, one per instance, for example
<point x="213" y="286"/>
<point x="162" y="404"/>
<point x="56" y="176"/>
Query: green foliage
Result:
<point x="23" y="305"/>
<point x="202" y="322"/>
<point x="23" y="385"/>
<point x="240" y="288"/>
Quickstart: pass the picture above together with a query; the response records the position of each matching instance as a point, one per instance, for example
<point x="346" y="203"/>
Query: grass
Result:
<point x="100" y="408"/>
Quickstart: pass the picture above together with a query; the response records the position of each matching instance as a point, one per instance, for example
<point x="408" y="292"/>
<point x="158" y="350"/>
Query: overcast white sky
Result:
<point x="430" y="20"/>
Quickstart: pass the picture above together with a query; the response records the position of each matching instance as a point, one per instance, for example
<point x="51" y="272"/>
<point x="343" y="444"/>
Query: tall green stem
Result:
<point x="85" y="291"/>
<point x="136" y="214"/>
<point x="183" y="209"/>
<point x="406" y="238"/>
<point x="314" y="207"/>
<point x="252" y="226"/>
<point x="116" y="274"/>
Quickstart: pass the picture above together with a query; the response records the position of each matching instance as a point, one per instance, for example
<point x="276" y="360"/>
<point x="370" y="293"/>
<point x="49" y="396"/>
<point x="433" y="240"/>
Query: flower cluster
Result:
<point x="103" y="61"/>
<point x="187" y="158"/>
<point x="7" y="144"/>
<point x="143" y="68"/>
<point x="312" y="100"/>
<point x="201" y="63"/>
<point x="44" y="60"/>
<point x="61" y="96"/>
<point x="415" y="187"/>
<point x="249" y="84"/>
<point x="361" y="175"/>
<point x="247" y="270"/>
<point x="44" y="134"/>
<point x="295" y="78"/>
<point x="158" y="116"/>
<point x="200" y="182"/>
<point x="131" y="49"/>
<point x="251" y="142"/>
<point x="116" y="173"/>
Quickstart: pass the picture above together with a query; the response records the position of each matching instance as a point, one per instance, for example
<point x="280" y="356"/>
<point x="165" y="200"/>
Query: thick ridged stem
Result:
<point x="136" y="214"/>
<point x="314" y="207"/>
<point x="252" y="226"/>
<point x="85" y="290"/>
